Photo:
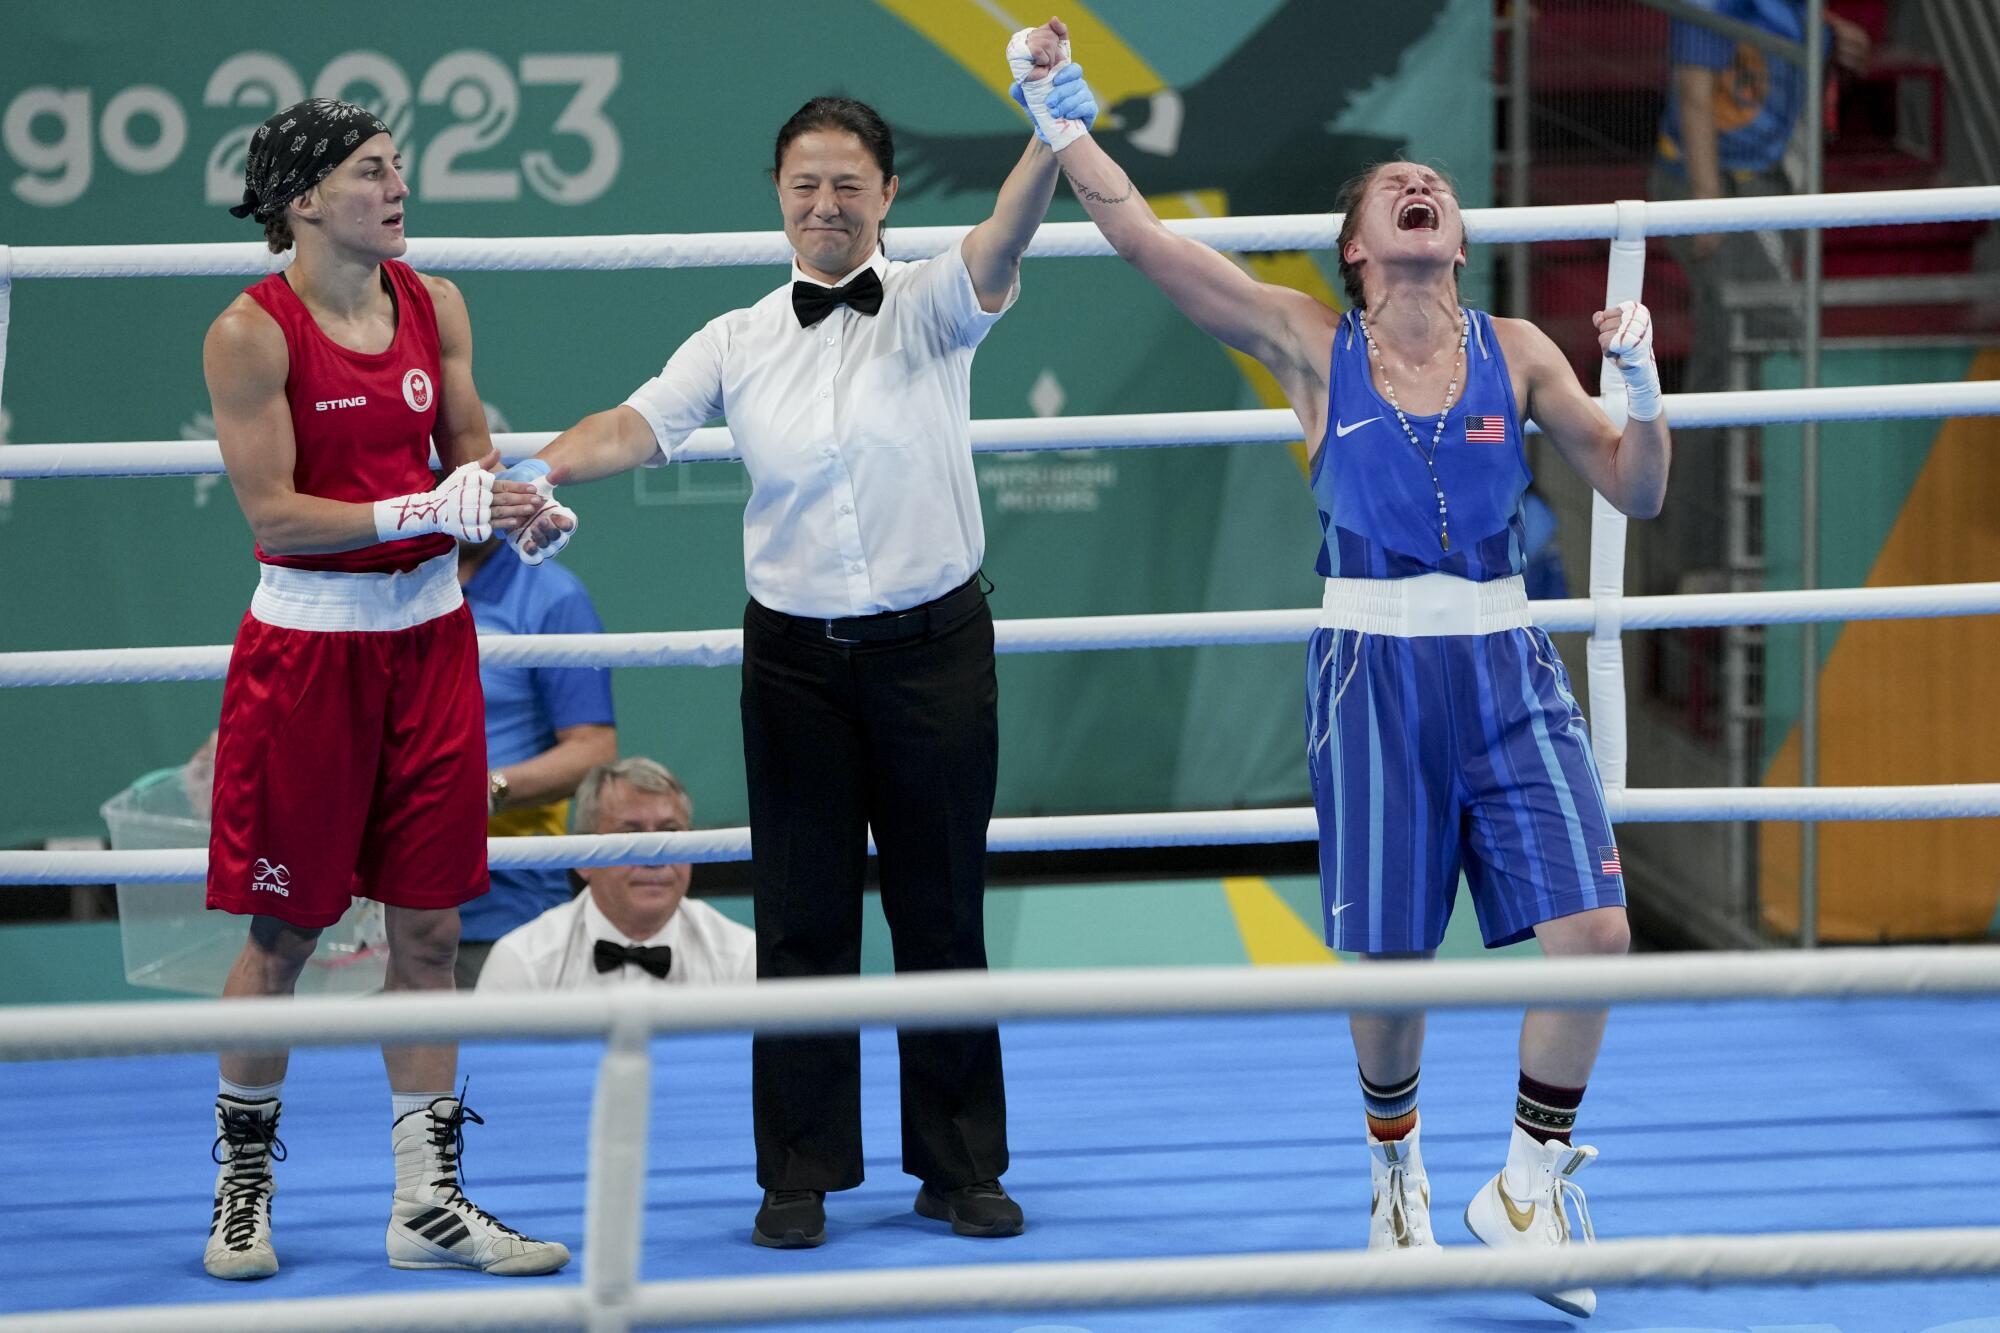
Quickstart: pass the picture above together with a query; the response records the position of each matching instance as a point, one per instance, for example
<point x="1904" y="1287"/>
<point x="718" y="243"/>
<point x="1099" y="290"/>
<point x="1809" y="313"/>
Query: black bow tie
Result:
<point x="656" y="958"/>
<point x="813" y="303"/>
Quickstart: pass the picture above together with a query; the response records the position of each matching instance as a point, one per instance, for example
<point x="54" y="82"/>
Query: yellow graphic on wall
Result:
<point x="974" y="32"/>
<point x="1273" y="935"/>
<point x="1909" y="702"/>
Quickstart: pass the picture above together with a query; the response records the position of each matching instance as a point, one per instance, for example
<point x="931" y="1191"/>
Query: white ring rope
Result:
<point x="1313" y="231"/>
<point x="951" y="999"/>
<point x="611" y="1299"/>
<point x="615" y="1299"/>
<point x="1207" y="1279"/>
<point x="1189" y="629"/>
<point x="1054" y="833"/>
<point x="1125" y="430"/>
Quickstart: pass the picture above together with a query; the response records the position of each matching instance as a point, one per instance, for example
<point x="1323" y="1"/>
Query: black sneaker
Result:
<point x="791" y="1220"/>
<point x="979" y="1209"/>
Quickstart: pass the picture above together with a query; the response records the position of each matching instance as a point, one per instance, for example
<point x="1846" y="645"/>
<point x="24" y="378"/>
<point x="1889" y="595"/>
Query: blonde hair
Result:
<point x="647" y="775"/>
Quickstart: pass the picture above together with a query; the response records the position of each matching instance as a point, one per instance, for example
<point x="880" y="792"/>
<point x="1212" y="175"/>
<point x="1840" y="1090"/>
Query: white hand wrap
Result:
<point x="1059" y="133"/>
<point x="531" y="552"/>
<point x="461" y="507"/>
<point x="1631" y="350"/>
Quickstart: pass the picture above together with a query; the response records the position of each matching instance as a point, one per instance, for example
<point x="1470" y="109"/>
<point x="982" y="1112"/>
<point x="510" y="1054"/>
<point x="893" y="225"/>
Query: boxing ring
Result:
<point x="1108" y="1066"/>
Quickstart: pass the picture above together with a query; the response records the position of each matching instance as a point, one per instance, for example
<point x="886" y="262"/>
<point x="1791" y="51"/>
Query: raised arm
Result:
<point x="993" y="249"/>
<point x="1279" y="327"/>
<point x="1628" y="467"/>
<point x="1260" y="319"/>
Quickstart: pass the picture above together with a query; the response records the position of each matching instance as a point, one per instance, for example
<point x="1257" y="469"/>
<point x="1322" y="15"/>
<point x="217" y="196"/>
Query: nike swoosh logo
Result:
<point x="1336" y="910"/>
<point x="1342" y="430"/>
<point x="1519" y="1220"/>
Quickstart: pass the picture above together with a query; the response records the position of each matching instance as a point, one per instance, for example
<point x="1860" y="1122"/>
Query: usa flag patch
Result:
<point x="1486" y="430"/>
<point x="1607" y="862"/>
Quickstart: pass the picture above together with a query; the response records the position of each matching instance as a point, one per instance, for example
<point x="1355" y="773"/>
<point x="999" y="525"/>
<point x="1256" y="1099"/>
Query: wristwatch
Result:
<point x="496" y="791"/>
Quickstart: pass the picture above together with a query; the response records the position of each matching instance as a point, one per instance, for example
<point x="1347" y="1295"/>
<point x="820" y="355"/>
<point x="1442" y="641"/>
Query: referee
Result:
<point x="868" y="683"/>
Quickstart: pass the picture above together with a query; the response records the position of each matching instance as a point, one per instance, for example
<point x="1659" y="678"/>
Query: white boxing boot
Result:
<point x="1528" y="1202"/>
<point x="432" y="1224"/>
<point x="246" y="1143"/>
<point x="1399" y="1207"/>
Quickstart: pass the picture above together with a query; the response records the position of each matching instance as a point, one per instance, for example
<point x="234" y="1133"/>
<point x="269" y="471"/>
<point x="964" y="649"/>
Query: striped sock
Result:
<point x="1391" y="1108"/>
<point x="1545" y="1111"/>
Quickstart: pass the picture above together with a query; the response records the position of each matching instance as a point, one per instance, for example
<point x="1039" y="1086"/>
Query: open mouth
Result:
<point x="395" y="221"/>
<point x="1417" y="215"/>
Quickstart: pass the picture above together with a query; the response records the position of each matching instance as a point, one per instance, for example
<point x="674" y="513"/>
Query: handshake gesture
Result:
<point x="526" y="513"/>
<point x="475" y="501"/>
<point x="1049" y="85"/>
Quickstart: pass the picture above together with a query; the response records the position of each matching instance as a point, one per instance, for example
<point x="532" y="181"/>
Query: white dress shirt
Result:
<point x="556" y="951"/>
<point x="857" y="433"/>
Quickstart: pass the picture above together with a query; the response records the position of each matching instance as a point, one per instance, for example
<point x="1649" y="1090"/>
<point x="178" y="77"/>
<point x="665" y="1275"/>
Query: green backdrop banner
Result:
<point x="126" y="122"/>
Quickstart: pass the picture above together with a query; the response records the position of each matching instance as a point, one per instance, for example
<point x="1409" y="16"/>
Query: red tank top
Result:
<point x="361" y="423"/>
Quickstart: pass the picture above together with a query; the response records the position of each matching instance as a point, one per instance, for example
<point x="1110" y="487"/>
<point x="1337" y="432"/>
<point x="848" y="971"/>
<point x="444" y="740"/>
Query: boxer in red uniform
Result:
<point x="352" y="757"/>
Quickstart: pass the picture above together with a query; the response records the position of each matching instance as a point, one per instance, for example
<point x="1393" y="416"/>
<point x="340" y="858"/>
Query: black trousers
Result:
<point x="902" y="736"/>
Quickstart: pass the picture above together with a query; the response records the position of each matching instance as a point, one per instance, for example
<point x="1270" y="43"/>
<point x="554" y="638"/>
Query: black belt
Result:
<point x="891" y="626"/>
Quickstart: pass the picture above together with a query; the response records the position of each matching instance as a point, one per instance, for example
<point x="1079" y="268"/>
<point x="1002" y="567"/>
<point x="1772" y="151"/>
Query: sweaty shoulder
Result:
<point x="441" y="290"/>
<point x="1523" y="342"/>
<point x="1534" y="363"/>
<point x="1299" y="352"/>
<point x="245" y="346"/>
<point x="454" y="322"/>
<point x="1313" y="324"/>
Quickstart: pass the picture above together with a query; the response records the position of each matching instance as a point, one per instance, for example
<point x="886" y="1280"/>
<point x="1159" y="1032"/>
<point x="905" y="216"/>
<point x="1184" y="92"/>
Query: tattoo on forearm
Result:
<point x="1089" y="195"/>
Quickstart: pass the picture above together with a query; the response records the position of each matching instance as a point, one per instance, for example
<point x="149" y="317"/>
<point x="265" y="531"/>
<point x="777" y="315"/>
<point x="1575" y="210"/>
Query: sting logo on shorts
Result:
<point x="417" y="390"/>
<point x="267" y="878"/>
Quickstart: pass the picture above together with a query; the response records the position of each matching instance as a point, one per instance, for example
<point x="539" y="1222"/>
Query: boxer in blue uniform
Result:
<point x="1441" y="752"/>
<point x="1441" y="730"/>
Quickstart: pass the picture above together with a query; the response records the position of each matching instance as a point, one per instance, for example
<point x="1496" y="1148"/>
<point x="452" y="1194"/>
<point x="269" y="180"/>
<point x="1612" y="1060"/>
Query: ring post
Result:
<point x="615" y="1187"/>
<point x="1809" y="517"/>
<point x="1624" y="281"/>
<point x="6" y="306"/>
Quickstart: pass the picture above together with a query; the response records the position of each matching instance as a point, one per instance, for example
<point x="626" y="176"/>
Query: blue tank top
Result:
<point x="1378" y="514"/>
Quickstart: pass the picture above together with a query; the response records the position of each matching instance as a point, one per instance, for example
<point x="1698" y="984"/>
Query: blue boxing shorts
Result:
<point x="1436" y="755"/>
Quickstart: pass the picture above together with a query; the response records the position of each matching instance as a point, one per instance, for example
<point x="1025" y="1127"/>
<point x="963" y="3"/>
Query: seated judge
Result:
<point x="632" y="924"/>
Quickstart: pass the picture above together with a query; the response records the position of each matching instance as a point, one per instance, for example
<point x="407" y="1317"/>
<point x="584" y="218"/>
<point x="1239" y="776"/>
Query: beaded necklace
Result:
<point x="1450" y="393"/>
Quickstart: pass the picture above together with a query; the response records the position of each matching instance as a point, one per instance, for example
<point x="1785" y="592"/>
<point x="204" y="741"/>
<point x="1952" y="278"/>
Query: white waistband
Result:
<point x="1425" y="606"/>
<point x="335" y="601"/>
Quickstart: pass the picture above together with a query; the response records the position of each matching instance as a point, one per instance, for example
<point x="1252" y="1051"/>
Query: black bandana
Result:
<point x="296" y="149"/>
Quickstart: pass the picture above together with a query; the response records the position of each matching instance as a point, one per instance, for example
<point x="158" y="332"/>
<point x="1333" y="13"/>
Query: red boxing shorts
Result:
<point x="350" y="764"/>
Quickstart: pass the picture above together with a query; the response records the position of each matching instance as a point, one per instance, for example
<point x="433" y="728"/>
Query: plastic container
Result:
<point x="174" y="942"/>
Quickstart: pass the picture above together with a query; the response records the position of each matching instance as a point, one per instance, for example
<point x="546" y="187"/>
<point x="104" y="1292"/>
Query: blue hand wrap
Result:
<point x="528" y="469"/>
<point x="1069" y="98"/>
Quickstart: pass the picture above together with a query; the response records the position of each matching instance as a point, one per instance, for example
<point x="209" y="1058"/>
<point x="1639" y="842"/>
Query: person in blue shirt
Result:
<point x="1731" y="113"/>
<point x="1441" y="733"/>
<point x="1546" y="581"/>
<point x="545" y="728"/>
<point x="1731" y="116"/>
